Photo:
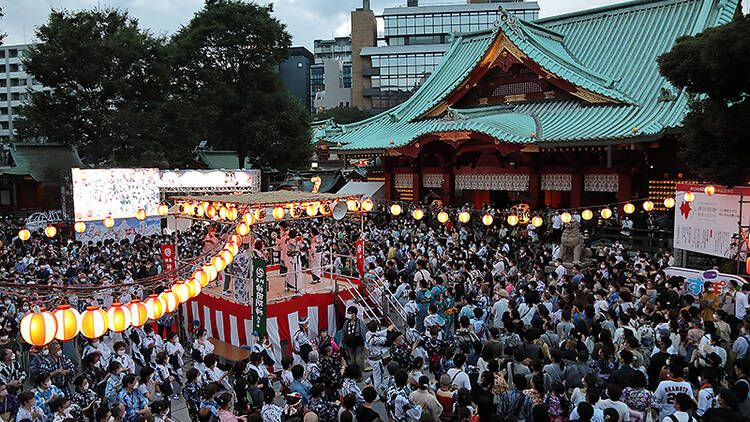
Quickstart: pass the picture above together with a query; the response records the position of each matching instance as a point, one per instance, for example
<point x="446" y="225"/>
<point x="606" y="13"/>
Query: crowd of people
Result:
<point x="491" y="326"/>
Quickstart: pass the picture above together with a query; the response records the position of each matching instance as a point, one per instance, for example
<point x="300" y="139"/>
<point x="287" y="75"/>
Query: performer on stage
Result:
<point x="281" y="245"/>
<point x="301" y="341"/>
<point x="210" y="240"/>
<point x="316" y="255"/>
<point x="294" y="266"/>
<point x="240" y="274"/>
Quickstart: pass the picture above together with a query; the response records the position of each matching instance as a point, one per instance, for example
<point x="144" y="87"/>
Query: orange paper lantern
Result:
<point x="94" y="322"/>
<point x="38" y="328"/>
<point x="464" y="217"/>
<point x="418" y="214"/>
<point x="218" y="263"/>
<point x="79" y="227"/>
<point x="232" y="213"/>
<point x="138" y="313"/>
<point x="512" y="220"/>
<point x="24" y="234"/>
<point x="163" y="210"/>
<point x="243" y="229"/>
<point x="200" y="276"/>
<point x="68" y="322"/>
<point x="211" y="272"/>
<point x="119" y="317"/>
<point x="155" y="307"/>
<point x="367" y="205"/>
<point x="195" y="287"/>
<point x="278" y="213"/>
<point x="487" y="220"/>
<point x="170" y="300"/>
<point x="108" y="222"/>
<point x="443" y="217"/>
<point x="50" y="231"/>
<point x="140" y="214"/>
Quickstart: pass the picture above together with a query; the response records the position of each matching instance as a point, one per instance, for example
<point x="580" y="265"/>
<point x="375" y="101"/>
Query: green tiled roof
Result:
<point x="217" y="160"/>
<point x="610" y="51"/>
<point x="43" y="162"/>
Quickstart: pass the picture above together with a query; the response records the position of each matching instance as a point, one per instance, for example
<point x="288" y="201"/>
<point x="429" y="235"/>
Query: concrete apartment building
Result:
<point x="15" y="84"/>
<point x="331" y="74"/>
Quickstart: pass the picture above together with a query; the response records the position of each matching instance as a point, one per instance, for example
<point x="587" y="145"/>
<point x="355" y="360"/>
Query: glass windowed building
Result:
<point x="415" y="40"/>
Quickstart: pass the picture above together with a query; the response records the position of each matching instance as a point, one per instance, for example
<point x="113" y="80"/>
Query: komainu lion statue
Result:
<point x="571" y="243"/>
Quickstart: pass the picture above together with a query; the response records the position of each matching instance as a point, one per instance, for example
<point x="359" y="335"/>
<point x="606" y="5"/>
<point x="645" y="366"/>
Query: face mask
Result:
<point x="47" y="384"/>
<point x="120" y="352"/>
<point x="59" y="352"/>
<point x="3" y="338"/>
<point x="45" y="352"/>
<point x="85" y="386"/>
<point x="26" y="307"/>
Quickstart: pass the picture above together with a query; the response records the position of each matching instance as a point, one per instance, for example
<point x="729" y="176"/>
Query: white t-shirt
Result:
<point x="740" y="305"/>
<point x="498" y="309"/>
<point x="460" y="378"/>
<point x="620" y="407"/>
<point x="681" y="417"/>
<point x="666" y="392"/>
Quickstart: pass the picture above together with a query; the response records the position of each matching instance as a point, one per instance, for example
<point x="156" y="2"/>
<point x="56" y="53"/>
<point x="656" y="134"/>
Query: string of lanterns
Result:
<point x="39" y="327"/>
<point x="587" y="213"/>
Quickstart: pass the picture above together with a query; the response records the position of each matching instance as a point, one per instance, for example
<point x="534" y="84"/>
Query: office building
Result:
<point x="331" y="74"/>
<point x="415" y="37"/>
<point x="295" y="72"/>
<point x="14" y="86"/>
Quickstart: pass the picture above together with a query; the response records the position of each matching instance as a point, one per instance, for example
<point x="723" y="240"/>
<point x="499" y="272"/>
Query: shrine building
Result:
<point x="565" y="111"/>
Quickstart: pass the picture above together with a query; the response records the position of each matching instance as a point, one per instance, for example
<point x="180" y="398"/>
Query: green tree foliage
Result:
<point x="108" y="80"/>
<point x="713" y="68"/>
<point x="342" y="115"/>
<point x="225" y="67"/>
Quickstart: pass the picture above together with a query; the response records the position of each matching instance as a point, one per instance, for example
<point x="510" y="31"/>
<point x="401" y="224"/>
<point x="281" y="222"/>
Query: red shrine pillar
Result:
<point x="535" y="189"/>
<point x="448" y="185"/>
<point x="388" y="174"/>
<point x="625" y="187"/>
<point x="416" y="186"/>
<point x="576" y="189"/>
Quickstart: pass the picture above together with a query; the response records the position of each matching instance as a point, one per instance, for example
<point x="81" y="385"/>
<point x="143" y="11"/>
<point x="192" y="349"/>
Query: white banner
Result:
<point x="210" y="179"/>
<point x="709" y="224"/>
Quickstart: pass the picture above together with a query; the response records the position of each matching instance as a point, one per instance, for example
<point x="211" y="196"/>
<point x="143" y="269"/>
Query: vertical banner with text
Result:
<point x="360" y="248"/>
<point x="168" y="257"/>
<point x="260" y="287"/>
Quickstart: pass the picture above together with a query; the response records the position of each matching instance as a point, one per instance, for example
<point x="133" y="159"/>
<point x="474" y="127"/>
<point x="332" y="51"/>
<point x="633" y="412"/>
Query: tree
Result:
<point x="342" y="115"/>
<point x="225" y="63"/>
<point x="109" y="80"/>
<point x="713" y="67"/>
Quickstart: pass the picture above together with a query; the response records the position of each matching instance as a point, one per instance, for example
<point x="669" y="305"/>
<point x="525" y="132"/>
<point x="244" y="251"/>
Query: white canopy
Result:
<point x="373" y="190"/>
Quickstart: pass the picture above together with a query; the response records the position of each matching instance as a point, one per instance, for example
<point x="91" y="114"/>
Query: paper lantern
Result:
<point x="188" y="208"/>
<point x="628" y="208"/>
<point x="232" y="213"/>
<point x="606" y="213"/>
<point x="396" y="210"/>
<point x="227" y="256"/>
<point x="170" y="300"/>
<point x="689" y="197"/>
<point x="325" y="208"/>
<point x="587" y="215"/>
<point x="38" y="328"/>
<point x="218" y="263"/>
<point x="248" y="218"/>
<point x="155" y="307"/>
<point x="537" y="221"/>
<point x="94" y="322"/>
<point x="108" y="222"/>
<point x="487" y="220"/>
<point x="194" y="286"/>
<point x="512" y="219"/>
<point x="162" y="210"/>
<point x="68" y="322"/>
<point x="50" y="231"/>
<point x="24" y="234"/>
<point x="311" y="210"/>
<point x="236" y="239"/>
<point x="211" y="272"/>
<point x="201" y="276"/>
<point x="710" y="190"/>
<point x="418" y="214"/>
<point x="223" y="212"/>
<point x="200" y="210"/>
<point x="352" y="205"/>
<point x="747" y="265"/>
<point x="443" y="217"/>
<point x="243" y="229"/>
<point x="278" y="213"/>
<point x="210" y="211"/>
<point x="138" y="313"/>
<point x="464" y="217"/>
<point x="181" y="290"/>
<point x="566" y="217"/>
<point x="79" y="227"/>
<point x="295" y="211"/>
<point x="119" y="317"/>
<point x="648" y="206"/>
<point x="233" y="248"/>
<point x="140" y="214"/>
<point x="367" y="205"/>
<point x="669" y="202"/>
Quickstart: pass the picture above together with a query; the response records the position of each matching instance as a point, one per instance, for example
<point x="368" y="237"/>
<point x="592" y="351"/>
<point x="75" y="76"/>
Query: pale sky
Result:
<point x="306" y="20"/>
